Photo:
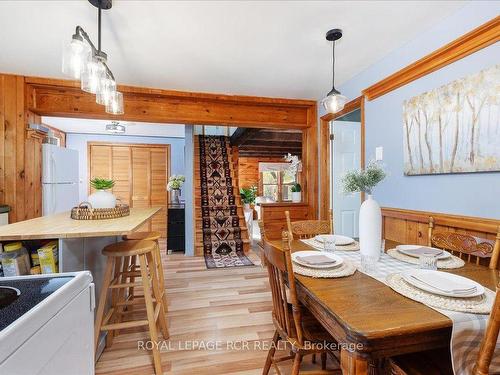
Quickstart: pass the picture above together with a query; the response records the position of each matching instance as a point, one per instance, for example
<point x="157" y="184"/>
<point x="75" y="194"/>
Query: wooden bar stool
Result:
<point x="118" y="278"/>
<point x="148" y="236"/>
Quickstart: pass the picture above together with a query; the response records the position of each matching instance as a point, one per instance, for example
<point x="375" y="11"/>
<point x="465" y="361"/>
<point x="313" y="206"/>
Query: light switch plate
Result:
<point x="379" y="153"/>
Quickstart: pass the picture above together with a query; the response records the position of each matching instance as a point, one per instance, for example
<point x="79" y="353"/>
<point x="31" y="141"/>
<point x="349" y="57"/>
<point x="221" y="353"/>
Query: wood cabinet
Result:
<point x="273" y="216"/>
<point x="140" y="172"/>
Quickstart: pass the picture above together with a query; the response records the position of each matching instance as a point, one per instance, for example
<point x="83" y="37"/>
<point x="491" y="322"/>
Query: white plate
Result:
<point x="339" y="240"/>
<point x="430" y="277"/>
<point x="338" y="259"/>
<point x="403" y="250"/>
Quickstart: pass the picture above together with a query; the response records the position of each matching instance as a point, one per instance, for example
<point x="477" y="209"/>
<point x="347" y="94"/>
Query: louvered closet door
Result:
<point x="121" y="170"/>
<point x="159" y="157"/>
<point x="140" y="173"/>
<point x="141" y="180"/>
<point x="100" y="157"/>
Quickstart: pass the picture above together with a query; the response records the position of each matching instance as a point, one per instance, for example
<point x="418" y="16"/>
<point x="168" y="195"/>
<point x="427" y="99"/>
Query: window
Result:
<point x="278" y="185"/>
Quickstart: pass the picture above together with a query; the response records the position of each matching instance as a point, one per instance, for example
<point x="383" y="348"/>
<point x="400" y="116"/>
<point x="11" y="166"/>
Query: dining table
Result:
<point x="370" y="321"/>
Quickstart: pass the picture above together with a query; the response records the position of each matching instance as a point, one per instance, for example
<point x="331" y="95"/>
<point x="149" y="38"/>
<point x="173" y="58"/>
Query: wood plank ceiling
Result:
<point x="267" y="142"/>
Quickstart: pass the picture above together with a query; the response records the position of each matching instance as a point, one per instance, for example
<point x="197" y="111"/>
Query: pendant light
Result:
<point x="334" y="100"/>
<point x="83" y="61"/>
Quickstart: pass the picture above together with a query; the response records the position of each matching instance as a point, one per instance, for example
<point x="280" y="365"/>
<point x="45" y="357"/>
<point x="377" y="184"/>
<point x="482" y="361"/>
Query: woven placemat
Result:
<point x="319" y="246"/>
<point x="448" y="263"/>
<point x="475" y="305"/>
<point x="346" y="269"/>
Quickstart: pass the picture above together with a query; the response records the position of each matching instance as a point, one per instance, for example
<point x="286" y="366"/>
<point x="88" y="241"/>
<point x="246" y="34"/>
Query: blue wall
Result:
<point x="79" y="142"/>
<point x="474" y="194"/>
<point x="189" y="189"/>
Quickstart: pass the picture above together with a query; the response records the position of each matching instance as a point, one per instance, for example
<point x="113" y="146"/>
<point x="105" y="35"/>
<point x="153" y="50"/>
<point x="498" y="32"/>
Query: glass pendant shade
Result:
<point x="93" y="73"/>
<point x="115" y="104"/>
<point x="106" y="89"/>
<point x="75" y="56"/>
<point x="334" y="102"/>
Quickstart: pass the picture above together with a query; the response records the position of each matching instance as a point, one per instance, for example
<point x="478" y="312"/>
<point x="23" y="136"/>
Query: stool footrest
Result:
<point x="123" y="325"/>
<point x="115" y="284"/>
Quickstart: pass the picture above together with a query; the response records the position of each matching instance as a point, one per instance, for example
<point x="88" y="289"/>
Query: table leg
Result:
<point x="353" y="363"/>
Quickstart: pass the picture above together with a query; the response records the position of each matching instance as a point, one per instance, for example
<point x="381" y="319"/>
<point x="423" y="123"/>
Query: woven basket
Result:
<point x="84" y="211"/>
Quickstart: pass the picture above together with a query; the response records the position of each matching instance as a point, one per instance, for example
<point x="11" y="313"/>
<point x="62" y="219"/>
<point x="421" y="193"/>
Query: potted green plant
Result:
<point x="102" y="197"/>
<point x="174" y="185"/>
<point x="248" y="196"/>
<point x="370" y="216"/>
<point x="296" y="193"/>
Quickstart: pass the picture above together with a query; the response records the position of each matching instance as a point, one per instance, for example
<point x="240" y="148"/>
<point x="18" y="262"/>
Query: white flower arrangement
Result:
<point x="175" y="182"/>
<point x="294" y="163"/>
<point x="365" y="180"/>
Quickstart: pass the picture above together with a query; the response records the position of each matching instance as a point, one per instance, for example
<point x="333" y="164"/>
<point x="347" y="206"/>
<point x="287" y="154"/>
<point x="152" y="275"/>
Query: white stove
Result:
<point x="47" y="324"/>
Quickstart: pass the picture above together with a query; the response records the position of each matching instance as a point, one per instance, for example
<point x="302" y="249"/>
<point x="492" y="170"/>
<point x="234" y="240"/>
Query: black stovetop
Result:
<point x="33" y="291"/>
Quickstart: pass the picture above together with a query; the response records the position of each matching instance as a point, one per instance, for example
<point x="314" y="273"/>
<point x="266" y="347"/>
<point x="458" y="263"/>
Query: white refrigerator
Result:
<point x="59" y="179"/>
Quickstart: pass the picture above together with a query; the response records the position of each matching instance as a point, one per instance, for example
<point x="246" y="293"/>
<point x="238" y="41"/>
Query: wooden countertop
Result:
<point x="62" y="226"/>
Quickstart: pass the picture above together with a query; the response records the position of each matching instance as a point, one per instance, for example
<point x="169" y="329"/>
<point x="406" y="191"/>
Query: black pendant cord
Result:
<point x="333" y="65"/>
<point x="332" y="36"/>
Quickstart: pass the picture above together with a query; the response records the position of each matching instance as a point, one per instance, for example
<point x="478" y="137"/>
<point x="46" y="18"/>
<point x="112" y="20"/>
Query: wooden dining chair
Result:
<point x="300" y="331"/>
<point x="438" y="362"/>
<point x="470" y="249"/>
<point x="303" y="229"/>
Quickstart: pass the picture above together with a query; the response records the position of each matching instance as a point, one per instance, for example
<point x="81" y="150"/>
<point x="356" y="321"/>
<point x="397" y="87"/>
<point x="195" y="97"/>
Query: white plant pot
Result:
<point x="246" y="206"/>
<point x="296" y="197"/>
<point x="370" y="228"/>
<point x="102" y="199"/>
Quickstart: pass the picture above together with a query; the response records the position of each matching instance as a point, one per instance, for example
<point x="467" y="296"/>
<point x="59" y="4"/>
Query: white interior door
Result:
<point x="345" y="157"/>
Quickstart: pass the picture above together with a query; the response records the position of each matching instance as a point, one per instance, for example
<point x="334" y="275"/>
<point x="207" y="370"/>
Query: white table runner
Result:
<point x="468" y="329"/>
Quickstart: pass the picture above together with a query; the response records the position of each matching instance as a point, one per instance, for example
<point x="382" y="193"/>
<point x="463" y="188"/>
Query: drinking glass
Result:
<point x="428" y="262"/>
<point x="329" y="245"/>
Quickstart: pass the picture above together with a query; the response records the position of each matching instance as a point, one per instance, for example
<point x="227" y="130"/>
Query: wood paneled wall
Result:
<point x="25" y="99"/>
<point x="273" y="216"/>
<point x="20" y="153"/>
<point x="411" y="227"/>
<point x="248" y="170"/>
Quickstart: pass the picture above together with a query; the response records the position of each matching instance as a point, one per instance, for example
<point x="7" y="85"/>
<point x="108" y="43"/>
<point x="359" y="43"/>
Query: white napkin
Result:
<point x="440" y="282"/>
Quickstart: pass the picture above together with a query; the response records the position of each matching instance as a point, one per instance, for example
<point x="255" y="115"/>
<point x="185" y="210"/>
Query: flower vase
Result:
<point x="370" y="229"/>
<point x="175" y="195"/>
<point x="102" y="199"/>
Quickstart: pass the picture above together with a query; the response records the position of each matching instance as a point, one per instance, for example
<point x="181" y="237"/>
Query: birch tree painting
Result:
<point x="454" y="128"/>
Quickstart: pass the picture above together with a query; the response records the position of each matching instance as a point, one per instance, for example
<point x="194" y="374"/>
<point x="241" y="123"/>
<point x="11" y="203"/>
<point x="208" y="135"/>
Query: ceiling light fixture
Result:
<point x="334" y="100"/>
<point x="83" y="61"/>
<point x="115" y="127"/>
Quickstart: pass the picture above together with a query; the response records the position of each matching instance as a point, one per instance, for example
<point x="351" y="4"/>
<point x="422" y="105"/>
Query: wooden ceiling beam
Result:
<point x="62" y="98"/>
<point x="283" y="146"/>
<point x="264" y="135"/>
<point x="271" y="144"/>
<point x="242" y="135"/>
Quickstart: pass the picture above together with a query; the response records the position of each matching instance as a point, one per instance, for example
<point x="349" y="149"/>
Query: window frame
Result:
<point x="279" y="184"/>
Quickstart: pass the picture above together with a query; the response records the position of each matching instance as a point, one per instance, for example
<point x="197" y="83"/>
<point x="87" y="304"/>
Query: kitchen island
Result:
<point x="79" y="241"/>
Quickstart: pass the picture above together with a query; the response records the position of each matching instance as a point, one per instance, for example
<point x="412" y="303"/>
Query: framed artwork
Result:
<point x="454" y="128"/>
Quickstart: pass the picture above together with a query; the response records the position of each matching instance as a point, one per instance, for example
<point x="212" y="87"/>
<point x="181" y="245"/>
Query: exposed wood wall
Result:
<point x="20" y="152"/>
<point x="273" y="216"/>
<point x="25" y="99"/>
<point x="248" y="170"/>
<point x="411" y="227"/>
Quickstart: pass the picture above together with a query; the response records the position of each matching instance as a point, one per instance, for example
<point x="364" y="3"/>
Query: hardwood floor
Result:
<point x="228" y="307"/>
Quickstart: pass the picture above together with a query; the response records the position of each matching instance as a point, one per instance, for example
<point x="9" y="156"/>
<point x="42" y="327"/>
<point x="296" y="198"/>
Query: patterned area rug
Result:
<point x="222" y="242"/>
